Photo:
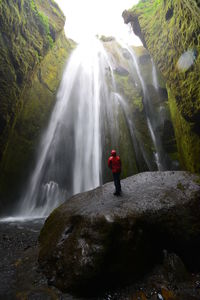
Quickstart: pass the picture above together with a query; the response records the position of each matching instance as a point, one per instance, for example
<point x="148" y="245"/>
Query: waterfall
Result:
<point x="137" y="143"/>
<point x="153" y="120"/>
<point x="84" y="122"/>
<point x="154" y="75"/>
<point x="69" y="156"/>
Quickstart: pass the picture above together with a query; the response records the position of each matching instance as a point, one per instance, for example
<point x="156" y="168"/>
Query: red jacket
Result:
<point x="114" y="163"/>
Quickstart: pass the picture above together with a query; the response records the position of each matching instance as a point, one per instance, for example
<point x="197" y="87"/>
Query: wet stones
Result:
<point x="114" y="241"/>
<point x="174" y="269"/>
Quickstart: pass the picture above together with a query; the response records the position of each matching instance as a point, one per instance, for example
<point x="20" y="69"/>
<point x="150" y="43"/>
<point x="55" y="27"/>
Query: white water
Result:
<point x="70" y="152"/>
<point x="154" y="75"/>
<point x="137" y="144"/>
<point x="72" y="137"/>
<point x="152" y="119"/>
<point x="69" y="158"/>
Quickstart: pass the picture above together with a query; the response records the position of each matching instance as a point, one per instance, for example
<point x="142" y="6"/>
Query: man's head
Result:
<point x="113" y="153"/>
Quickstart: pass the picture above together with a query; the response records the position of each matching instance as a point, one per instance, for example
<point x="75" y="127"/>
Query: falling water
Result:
<point x="137" y="143"/>
<point x="84" y="119"/>
<point x="154" y="75"/>
<point x="69" y="156"/>
<point x="152" y="119"/>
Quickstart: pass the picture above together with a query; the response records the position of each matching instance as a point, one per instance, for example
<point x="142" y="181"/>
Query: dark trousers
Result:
<point x="116" y="177"/>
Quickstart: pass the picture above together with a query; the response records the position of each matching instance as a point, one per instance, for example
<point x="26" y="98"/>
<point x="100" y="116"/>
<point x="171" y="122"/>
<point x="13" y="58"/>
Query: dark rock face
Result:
<point x="133" y="19"/>
<point x="174" y="269"/>
<point x="96" y="240"/>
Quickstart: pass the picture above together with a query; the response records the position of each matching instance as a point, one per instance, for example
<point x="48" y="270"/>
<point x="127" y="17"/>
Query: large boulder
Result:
<point x="96" y="240"/>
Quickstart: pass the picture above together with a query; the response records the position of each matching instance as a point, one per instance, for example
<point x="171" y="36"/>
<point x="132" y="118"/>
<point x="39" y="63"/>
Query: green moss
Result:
<point x="127" y="87"/>
<point x="51" y="42"/>
<point x="33" y="6"/>
<point x="56" y="12"/>
<point x="147" y="7"/>
<point x="188" y="142"/>
<point x="50" y="9"/>
<point x="49" y="234"/>
<point x="138" y="104"/>
<point x="30" y="72"/>
<point x="45" y="21"/>
<point x="198" y="180"/>
<point x="167" y="39"/>
<point x="38" y="101"/>
<point x="126" y="148"/>
<point x="22" y="47"/>
<point x="180" y="186"/>
<point x="170" y="30"/>
<point x="140" y="51"/>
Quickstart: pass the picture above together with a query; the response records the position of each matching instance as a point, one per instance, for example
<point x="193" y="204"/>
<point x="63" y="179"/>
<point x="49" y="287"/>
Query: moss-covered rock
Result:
<point x="27" y="33"/>
<point x="170" y="31"/>
<point x="188" y="142"/>
<point x="33" y="52"/>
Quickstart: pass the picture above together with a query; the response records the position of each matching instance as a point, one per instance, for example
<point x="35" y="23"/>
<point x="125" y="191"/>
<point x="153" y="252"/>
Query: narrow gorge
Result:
<point x="64" y="105"/>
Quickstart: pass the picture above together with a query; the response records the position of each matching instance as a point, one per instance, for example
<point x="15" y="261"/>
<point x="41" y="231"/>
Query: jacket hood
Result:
<point x="113" y="153"/>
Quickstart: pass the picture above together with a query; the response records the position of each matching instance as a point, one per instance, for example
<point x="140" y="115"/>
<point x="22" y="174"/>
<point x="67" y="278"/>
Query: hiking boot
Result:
<point x="116" y="193"/>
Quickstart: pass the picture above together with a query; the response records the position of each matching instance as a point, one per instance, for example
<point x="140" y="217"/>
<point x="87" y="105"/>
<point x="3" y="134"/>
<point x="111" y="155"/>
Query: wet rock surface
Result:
<point x="96" y="241"/>
<point x="15" y="240"/>
<point x="21" y="277"/>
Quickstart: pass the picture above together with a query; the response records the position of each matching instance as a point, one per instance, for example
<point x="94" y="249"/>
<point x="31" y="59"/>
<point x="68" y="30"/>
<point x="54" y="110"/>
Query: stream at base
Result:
<point x="21" y="278"/>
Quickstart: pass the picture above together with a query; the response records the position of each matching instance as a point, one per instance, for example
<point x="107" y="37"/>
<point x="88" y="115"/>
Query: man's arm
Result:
<point x="110" y="162"/>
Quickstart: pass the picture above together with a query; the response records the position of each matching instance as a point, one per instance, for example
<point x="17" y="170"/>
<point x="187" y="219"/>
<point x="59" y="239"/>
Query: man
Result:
<point x="114" y="163"/>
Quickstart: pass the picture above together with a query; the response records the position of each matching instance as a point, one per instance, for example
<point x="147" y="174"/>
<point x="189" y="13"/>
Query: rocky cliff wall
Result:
<point x="128" y="84"/>
<point x="170" y="31"/>
<point x="33" y="52"/>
